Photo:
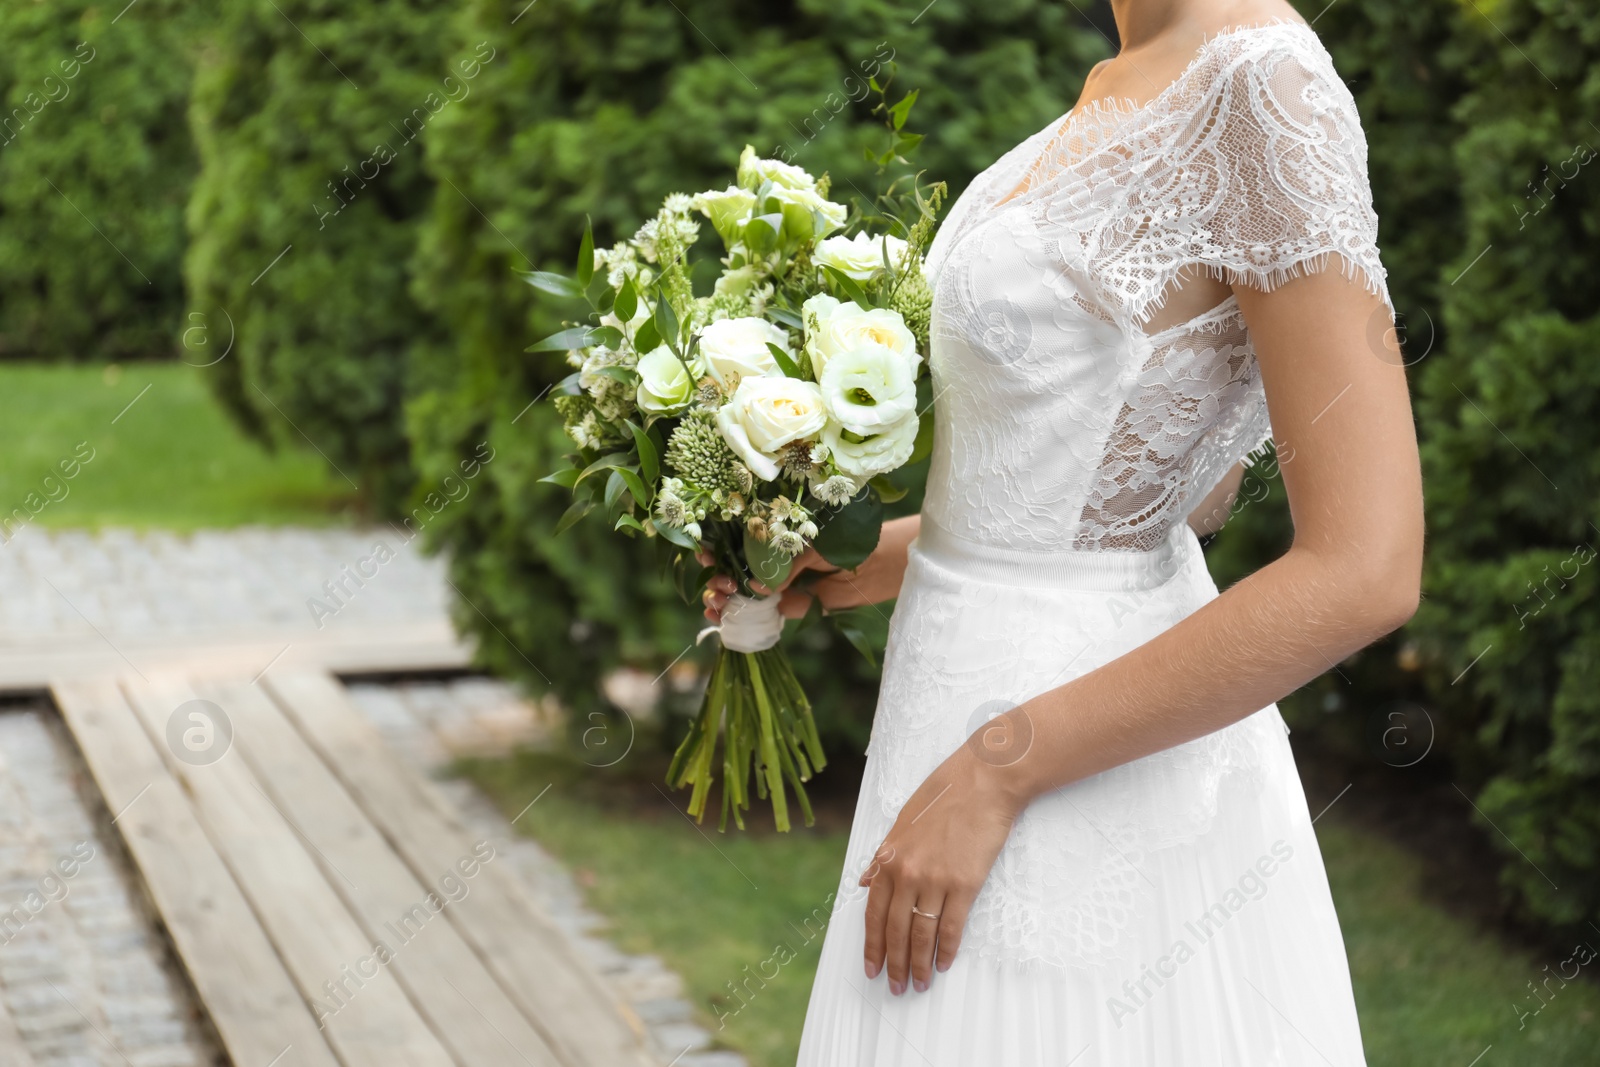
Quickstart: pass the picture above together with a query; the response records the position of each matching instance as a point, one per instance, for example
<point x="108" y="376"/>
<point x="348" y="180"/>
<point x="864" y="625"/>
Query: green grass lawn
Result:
<point x="171" y="460"/>
<point x="1431" y="990"/>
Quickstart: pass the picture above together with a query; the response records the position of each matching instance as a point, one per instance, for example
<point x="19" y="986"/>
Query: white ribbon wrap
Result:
<point x="749" y="624"/>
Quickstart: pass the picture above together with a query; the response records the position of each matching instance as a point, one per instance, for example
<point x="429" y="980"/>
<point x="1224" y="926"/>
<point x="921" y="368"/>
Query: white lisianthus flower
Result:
<point x="665" y="386"/>
<point x="737" y="281"/>
<point x="860" y="257"/>
<point x="806" y="215"/>
<point x="867" y="457"/>
<point x="869" y="389"/>
<point x="727" y="210"/>
<point x="753" y="170"/>
<point x="739" y="346"/>
<point x="834" y="327"/>
<point x="764" y="414"/>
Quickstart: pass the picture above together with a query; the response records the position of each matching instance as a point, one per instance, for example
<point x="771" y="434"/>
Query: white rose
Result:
<point x="861" y="256"/>
<point x="727" y="210"/>
<point x="753" y="170"/>
<point x="868" y="457"/>
<point x="665" y="386"/>
<point x="764" y="414"/>
<point x="843" y="327"/>
<point x="739" y="346"/>
<point x="869" y="389"/>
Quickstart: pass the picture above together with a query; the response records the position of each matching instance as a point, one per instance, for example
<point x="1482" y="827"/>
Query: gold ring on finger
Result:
<point x="925" y="914"/>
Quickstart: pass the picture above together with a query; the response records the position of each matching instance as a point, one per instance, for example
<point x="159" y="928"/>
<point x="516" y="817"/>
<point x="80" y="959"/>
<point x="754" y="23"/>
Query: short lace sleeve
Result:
<point x="1281" y="160"/>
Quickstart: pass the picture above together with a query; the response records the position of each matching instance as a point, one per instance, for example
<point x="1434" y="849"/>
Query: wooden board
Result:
<point x="582" y="1019"/>
<point x="472" y="1015"/>
<point x="368" y="1019"/>
<point x="35" y="664"/>
<point x="252" y="1001"/>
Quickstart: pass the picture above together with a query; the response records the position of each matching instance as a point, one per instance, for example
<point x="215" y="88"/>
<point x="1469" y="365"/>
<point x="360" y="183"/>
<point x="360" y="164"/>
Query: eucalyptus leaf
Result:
<point x="850" y="287"/>
<point x="646" y="338"/>
<point x="666" y="322"/>
<point x="625" y="375"/>
<point x="649" y="461"/>
<point x="578" y="510"/>
<point x="564" y="478"/>
<point x="586" y="256"/>
<point x="785" y="363"/>
<point x="549" y="282"/>
<point x="768" y="565"/>
<point x="849" y="624"/>
<point x="609" y="336"/>
<point x="902" y="110"/>
<point x="627" y="302"/>
<point x="887" y="491"/>
<point x="785" y="317"/>
<point x="922" y="446"/>
<point x="847" y="536"/>
<point x="616" y="488"/>
<point x="564" y="340"/>
<point x="605" y="462"/>
<point x="636" y="487"/>
<point x="677" y="536"/>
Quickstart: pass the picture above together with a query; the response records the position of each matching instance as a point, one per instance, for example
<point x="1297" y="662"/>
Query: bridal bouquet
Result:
<point x="747" y="422"/>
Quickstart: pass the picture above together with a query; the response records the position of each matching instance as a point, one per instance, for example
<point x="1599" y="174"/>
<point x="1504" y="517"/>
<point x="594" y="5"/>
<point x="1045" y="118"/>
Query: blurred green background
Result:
<point x="297" y="222"/>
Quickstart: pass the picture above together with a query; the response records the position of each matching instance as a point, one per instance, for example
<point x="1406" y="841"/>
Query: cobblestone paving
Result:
<point x="82" y="972"/>
<point x="431" y="723"/>
<point x="78" y="585"/>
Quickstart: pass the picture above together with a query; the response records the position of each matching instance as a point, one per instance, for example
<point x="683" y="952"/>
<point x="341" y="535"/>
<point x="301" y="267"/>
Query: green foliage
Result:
<point x="597" y="110"/>
<point x="310" y="121"/>
<point x="1511" y="623"/>
<point x="95" y="167"/>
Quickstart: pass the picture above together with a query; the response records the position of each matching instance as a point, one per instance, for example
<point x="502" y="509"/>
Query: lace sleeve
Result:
<point x="1282" y="160"/>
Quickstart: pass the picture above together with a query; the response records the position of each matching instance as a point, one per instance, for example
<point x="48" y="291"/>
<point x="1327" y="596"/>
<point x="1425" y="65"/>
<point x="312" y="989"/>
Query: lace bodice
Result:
<point x="1061" y="421"/>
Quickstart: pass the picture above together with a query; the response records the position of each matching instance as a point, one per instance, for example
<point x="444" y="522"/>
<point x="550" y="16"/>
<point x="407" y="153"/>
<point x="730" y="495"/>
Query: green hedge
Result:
<point x="600" y="108"/>
<point x="1511" y="619"/>
<point x="95" y="167"/>
<point x="310" y="121"/>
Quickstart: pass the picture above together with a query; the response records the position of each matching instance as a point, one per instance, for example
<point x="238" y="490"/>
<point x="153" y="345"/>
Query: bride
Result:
<point x="1081" y="838"/>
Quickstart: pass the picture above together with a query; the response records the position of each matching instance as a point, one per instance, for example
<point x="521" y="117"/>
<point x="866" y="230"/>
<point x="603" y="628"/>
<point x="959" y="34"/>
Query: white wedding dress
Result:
<point x="1172" y="912"/>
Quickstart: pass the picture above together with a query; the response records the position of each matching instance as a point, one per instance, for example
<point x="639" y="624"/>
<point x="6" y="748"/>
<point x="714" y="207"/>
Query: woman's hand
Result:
<point x="795" y="602"/>
<point x="876" y="580"/>
<point x="929" y="869"/>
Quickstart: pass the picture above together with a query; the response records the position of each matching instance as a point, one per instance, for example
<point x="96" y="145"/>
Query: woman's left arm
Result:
<point x="1341" y="412"/>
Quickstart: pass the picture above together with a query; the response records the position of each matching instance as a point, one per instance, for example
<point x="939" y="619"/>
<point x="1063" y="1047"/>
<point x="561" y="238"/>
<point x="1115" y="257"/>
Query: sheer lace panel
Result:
<point x="1195" y="384"/>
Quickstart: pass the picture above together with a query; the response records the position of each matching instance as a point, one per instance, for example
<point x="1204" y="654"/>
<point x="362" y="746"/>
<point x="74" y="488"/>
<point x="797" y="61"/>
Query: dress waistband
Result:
<point x="1063" y="568"/>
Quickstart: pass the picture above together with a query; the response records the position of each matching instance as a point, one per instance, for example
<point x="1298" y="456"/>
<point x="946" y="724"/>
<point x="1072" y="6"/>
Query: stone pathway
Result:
<point x="88" y="979"/>
<point x="83" y="973"/>
<point x="116" y="584"/>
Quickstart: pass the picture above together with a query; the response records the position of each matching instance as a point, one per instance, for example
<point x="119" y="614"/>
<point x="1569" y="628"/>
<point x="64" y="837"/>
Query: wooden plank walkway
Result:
<point x="327" y="904"/>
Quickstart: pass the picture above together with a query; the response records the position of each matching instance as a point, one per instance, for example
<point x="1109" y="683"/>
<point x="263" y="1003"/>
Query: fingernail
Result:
<point x="873" y="969"/>
<point x="921" y="985"/>
<point x="897" y="988"/>
<point x="943" y="966"/>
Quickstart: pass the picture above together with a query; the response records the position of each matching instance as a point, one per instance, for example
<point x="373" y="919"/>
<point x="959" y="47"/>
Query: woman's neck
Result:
<point x="1139" y="21"/>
